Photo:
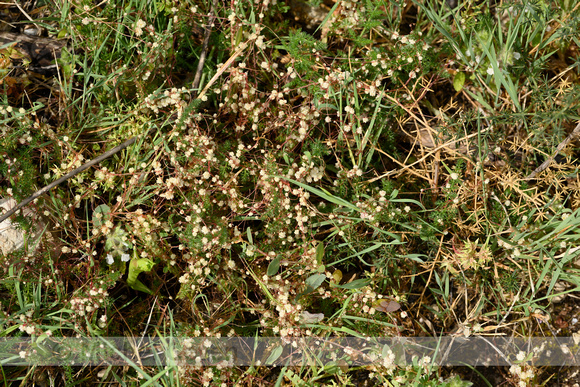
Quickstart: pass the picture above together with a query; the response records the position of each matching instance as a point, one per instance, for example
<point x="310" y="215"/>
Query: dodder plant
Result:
<point x="365" y="178"/>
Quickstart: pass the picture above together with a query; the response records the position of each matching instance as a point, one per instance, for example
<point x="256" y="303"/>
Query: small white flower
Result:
<point x="517" y="55"/>
<point x="125" y="257"/>
<point x="139" y="25"/>
<point x="454" y="176"/>
<point x="490" y="71"/>
<point x="110" y="259"/>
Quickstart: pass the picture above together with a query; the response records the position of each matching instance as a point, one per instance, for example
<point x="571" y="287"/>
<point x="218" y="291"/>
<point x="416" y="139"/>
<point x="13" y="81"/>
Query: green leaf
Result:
<point x="138" y="285"/>
<point x="356" y="284"/>
<point x="273" y="267"/>
<point x="239" y="36"/>
<point x="104" y="212"/>
<point x="314" y="281"/>
<point x="137" y="266"/>
<point x="319" y="253"/>
<point x="276" y="353"/>
<point x="62" y="33"/>
<point x="9" y="330"/>
<point x="459" y="81"/>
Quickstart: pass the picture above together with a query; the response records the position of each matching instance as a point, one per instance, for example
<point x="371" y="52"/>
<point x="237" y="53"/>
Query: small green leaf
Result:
<point x="273" y="267"/>
<point x="459" y="81"/>
<point x="319" y="252"/>
<point x="62" y="33"/>
<point x="314" y="281"/>
<point x="99" y="220"/>
<point x="239" y="36"/>
<point x="249" y="233"/>
<point x="276" y="353"/>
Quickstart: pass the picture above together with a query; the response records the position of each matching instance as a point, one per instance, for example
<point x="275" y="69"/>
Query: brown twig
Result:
<point x="561" y="146"/>
<point x="72" y="173"/>
<point x="203" y="55"/>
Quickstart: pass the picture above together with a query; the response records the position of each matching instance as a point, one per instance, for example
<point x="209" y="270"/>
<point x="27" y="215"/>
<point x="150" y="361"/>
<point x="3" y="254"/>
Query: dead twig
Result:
<point x="72" y="173"/>
<point x="203" y="55"/>
<point x="23" y="11"/>
<point x="561" y="146"/>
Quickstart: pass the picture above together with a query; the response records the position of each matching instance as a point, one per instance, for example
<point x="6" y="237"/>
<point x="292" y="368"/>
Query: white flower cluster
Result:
<point x="143" y="225"/>
<point x="170" y="184"/>
<point x="139" y="25"/>
<point x="355" y="171"/>
<point x="523" y="372"/>
<point x="234" y="158"/>
<point x="85" y="303"/>
<point x="307" y="171"/>
<point x="28" y="326"/>
<point x="364" y="299"/>
<point x="172" y="97"/>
